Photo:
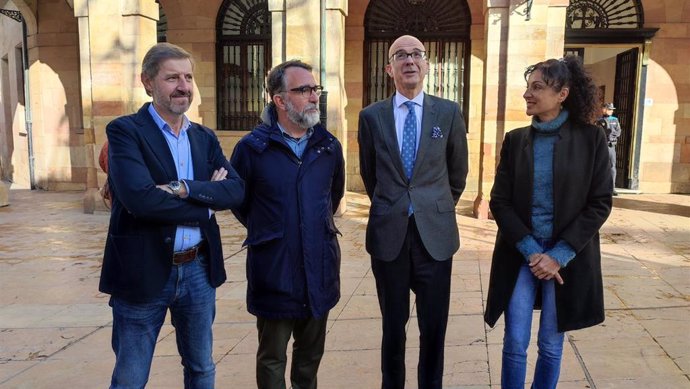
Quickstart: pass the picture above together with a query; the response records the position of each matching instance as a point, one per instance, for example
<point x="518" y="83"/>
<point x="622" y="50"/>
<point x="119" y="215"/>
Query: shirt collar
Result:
<point x="310" y="131"/>
<point x="399" y="99"/>
<point x="163" y="125"/>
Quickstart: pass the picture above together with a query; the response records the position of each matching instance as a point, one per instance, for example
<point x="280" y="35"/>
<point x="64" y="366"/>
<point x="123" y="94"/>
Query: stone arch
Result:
<point x="593" y="14"/>
<point x="243" y="58"/>
<point x="29" y="16"/>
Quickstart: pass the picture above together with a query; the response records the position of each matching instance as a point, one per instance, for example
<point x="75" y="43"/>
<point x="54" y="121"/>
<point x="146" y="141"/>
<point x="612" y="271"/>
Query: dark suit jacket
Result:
<point x="139" y="247"/>
<point x="437" y="181"/>
<point x="582" y="201"/>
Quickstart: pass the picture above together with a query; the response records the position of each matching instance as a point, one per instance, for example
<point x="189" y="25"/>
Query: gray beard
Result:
<point x="302" y="119"/>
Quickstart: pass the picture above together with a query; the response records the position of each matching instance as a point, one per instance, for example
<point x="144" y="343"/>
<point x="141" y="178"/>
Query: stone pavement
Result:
<point x="55" y="326"/>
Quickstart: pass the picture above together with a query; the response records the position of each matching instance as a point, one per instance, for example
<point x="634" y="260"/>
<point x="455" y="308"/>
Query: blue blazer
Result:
<point x="139" y="247"/>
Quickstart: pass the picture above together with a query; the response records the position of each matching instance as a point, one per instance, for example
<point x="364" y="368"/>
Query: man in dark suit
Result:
<point x="413" y="161"/>
<point x="168" y="176"/>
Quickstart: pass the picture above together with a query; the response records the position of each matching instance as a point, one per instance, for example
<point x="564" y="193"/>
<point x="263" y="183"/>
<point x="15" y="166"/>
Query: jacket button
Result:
<point x="168" y="240"/>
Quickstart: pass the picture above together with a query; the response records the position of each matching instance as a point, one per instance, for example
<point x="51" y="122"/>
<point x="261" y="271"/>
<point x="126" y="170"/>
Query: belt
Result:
<point x="185" y="256"/>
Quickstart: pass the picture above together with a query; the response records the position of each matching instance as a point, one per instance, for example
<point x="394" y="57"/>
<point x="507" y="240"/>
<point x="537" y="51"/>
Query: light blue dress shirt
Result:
<point x="297" y="145"/>
<point x="400" y="113"/>
<point x="185" y="236"/>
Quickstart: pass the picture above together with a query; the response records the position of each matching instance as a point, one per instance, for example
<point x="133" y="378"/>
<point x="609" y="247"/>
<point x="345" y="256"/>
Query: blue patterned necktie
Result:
<point x="409" y="140"/>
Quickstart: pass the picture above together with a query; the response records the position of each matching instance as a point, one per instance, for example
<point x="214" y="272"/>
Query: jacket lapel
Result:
<point x="429" y="119"/>
<point x="201" y="172"/>
<point x="389" y="135"/>
<point x="560" y="163"/>
<point x="156" y="140"/>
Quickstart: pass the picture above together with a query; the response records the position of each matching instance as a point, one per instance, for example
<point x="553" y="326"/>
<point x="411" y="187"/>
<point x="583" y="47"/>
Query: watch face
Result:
<point x="174" y="185"/>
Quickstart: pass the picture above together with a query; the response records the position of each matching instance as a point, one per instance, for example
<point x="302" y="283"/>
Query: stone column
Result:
<point x="336" y="11"/>
<point x="513" y="42"/>
<point x="496" y="37"/>
<point x="113" y="38"/>
<point x="4" y="193"/>
<point x="277" y="10"/>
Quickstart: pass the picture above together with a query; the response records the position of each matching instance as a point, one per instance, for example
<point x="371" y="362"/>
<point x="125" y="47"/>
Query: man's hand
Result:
<point x="544" y="267"/>
<point x="183" y="189"/>
<point x="219" y="175"/>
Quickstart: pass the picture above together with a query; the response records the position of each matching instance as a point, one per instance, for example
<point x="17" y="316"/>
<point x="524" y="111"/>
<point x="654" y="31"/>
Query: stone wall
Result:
<point x="14" y="162"/>
<point x="665" y="153"/>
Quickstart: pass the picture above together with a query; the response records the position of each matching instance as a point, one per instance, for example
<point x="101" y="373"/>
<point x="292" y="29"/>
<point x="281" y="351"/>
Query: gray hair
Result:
<point x="275" y="81"/>
<point x="159" y="53"/>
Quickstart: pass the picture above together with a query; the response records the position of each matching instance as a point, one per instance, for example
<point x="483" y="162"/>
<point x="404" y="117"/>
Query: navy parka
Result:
<point x="293" y="256"/>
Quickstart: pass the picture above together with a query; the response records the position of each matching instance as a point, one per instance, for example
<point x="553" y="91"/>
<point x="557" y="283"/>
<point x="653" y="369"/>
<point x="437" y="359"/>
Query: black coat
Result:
<point x="582" y="201"/>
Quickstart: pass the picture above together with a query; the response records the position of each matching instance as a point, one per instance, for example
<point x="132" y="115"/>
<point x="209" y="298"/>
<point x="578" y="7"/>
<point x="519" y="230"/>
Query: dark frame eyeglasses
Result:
<point x="306" y="90"/>
<point x="401" y="55"/>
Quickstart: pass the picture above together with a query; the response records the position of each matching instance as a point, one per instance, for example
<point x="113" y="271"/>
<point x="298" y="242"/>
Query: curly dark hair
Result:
<point x="582" y="102"/>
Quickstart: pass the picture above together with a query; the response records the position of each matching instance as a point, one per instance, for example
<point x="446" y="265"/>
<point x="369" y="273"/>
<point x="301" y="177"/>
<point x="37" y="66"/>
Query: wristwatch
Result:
<point x="175" y="187"/>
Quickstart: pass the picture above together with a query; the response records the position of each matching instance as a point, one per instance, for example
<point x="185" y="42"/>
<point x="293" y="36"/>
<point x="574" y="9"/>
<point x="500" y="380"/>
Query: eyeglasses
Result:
<point x="306" y="90"/>
<point x="417" y="55"/>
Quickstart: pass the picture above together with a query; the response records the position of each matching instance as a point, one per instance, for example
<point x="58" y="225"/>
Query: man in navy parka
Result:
<point x="294" y="178"/>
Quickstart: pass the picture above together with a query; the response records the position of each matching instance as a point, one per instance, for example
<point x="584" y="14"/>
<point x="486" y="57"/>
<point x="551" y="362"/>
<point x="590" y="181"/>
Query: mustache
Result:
<point x="182" y="94"/>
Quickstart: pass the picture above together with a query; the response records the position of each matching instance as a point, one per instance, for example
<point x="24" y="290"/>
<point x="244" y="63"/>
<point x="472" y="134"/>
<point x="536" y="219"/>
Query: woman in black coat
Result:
<point x="551" y="194"/>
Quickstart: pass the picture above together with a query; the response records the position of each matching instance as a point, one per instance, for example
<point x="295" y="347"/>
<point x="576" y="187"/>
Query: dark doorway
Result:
<point x="624" y="100"/>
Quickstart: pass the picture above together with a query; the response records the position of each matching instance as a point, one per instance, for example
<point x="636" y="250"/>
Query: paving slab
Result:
<point x="55" y="326"/>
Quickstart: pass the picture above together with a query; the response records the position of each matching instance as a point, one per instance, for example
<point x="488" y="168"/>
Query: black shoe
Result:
<point x="615" y="193"/>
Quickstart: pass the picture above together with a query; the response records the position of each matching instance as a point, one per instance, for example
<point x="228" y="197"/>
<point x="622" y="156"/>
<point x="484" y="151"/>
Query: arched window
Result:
<point x="592" y="14"/>
<point x="444" y="28"/>
<point x="243" y="56"/>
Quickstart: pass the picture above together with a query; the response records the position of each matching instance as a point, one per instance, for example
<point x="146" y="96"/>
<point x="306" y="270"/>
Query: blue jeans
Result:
<point x="518" y="323"/>
<point x="136" y="325"/>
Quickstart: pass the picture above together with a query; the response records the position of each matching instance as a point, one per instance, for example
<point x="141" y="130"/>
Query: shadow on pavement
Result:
<point x="652" y="206"/>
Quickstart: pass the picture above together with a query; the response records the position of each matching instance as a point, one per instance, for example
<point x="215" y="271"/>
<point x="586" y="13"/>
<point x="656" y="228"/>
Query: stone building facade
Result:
<point x="68" y="67"/>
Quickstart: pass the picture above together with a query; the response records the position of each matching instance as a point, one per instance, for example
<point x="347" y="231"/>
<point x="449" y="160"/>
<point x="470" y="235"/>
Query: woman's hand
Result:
<point x="544" y="267"/>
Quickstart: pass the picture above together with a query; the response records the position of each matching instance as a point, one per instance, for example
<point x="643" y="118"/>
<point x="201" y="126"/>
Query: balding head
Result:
<point x="407" y="65"/>
<point x="407" y="43"/>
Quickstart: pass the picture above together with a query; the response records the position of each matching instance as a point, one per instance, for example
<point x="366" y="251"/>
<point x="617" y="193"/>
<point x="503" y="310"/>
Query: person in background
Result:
<point x="167" y="178"/>
<point x="413" y="162"/>
<point x="551" y="195"/>
<point x="612" y="128"/>
<point x="295" y="177"/>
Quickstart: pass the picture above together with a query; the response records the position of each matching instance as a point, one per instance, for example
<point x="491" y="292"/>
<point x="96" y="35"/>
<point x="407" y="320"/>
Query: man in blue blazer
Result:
<point x="413" y="161"/>
<point x="168" y="177"/>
